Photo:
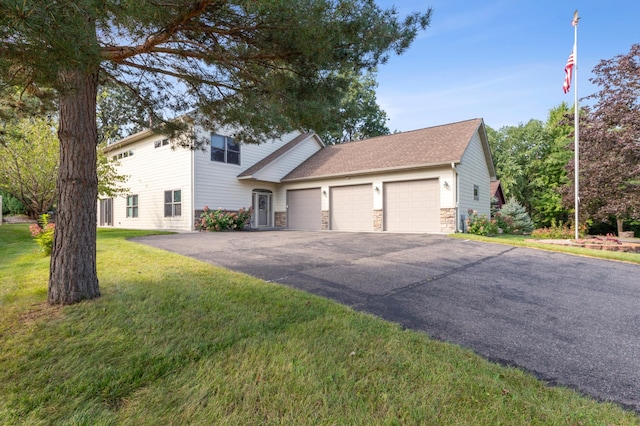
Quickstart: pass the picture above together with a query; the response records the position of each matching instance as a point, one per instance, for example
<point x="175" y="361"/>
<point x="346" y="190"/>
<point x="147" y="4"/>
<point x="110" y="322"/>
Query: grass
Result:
<point x="176" y="341"/>
<point x="521" y="241"/>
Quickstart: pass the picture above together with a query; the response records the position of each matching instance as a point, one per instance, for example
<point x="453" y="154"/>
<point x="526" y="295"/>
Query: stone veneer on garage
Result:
<point x="448" y="221"/>
<point x="325" y="220"/>
<point x="377" y="221"/>
<point x="280" y="219"/>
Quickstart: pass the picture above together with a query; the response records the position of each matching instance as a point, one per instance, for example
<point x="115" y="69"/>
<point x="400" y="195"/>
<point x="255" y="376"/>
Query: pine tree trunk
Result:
<point x="73" y="276"/>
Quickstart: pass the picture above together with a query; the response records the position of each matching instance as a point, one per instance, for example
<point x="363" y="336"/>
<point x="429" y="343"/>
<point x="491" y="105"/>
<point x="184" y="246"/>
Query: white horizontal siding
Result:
<point x="290" y="160"/>
<point x="152" y="171"/>
<point x="217" y="184"/>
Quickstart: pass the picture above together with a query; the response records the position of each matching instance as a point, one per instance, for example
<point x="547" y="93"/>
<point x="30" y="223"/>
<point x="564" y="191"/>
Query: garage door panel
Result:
<point x="304" y="209"/>
<point x="412" y="206"/>
<point x="352" y="208"/>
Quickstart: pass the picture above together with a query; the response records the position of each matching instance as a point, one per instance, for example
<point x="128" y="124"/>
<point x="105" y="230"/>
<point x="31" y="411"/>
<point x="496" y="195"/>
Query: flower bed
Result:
<point x="595" y="243"/>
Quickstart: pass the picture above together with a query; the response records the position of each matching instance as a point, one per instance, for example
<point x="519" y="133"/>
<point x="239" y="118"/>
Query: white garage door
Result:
<point x="304" y="209"/>
<point x="412" y="206"/>
<point x="352" y="208"/>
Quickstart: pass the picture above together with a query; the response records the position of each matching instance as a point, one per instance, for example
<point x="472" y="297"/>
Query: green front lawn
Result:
<point x="176" y="341"/>
<point x="521" y="241"/>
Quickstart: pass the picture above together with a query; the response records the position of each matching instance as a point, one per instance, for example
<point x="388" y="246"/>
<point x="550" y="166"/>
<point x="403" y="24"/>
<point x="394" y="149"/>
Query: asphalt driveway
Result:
<point x="570" y="320"/>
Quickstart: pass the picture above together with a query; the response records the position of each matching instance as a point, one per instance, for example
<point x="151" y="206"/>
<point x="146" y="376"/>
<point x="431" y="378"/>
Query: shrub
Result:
<point x="223" y="220"/>
<point x="561" y="231"/>
<point x="43" y="234"/>
<point x="11" y="205"/>
<point x="480" y="225"/>
<point x="504" y="223"/>
<point x="521" y="222"/>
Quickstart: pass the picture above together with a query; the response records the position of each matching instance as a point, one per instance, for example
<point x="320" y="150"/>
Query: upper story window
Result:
<point x="225" y="149"/>
<point x="122" y="155"/>
<point x="159" y="143"/>
<point x="476" y="192"/>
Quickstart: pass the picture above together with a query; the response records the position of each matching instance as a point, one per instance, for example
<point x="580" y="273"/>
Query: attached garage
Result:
<point x="420" y="181"/>
<point x="304" y="209"/>
<point x="351" y="208"/>
<point x="412" y="206"/>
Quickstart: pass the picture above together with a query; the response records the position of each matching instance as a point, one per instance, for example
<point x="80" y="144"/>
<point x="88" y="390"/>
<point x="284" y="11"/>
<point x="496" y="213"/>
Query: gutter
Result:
<point x="457" y="186"/>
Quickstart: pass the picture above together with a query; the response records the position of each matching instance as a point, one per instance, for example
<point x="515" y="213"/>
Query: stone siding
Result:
<point x="325" y="220"/>
<point x="378" y="223"/>
<point x="448" y="220"/>
<point x="280" y="219"/>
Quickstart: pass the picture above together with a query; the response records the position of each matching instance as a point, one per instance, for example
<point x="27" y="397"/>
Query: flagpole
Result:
<point x="576" y="122"/>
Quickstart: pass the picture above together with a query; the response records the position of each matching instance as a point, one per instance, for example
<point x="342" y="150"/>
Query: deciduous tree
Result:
<point x="360" y="116"/>
<point x="29" y="152"/>
<point x="263" y="66"/>
<point x="609" y="142"/>
<point x="530" y="162"/>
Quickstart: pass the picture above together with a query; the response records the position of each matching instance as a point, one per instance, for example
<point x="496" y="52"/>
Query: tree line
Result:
<point x="534" y="161"/>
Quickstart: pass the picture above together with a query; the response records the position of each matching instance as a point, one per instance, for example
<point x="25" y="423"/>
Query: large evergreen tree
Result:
<point x="263" y="66"/>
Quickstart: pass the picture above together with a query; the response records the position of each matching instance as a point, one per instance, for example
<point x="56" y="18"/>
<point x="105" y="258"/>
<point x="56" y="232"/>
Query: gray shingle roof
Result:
<point x="433" y="145"/>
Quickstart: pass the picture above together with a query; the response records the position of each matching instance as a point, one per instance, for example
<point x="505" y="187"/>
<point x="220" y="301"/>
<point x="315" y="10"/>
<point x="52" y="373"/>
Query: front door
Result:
<point x="262" y="208"/>
<point x="106" y="212"/>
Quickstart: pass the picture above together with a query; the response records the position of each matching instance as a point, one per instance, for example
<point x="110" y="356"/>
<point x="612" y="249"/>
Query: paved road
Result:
<point x="570" y="320"/>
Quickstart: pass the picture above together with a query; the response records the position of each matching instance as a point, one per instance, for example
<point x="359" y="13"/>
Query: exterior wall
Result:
<point x="152" y="171"/>
<point x="217" y="184"/>
<point x="289" y="161"/>
<point x="473" y="170"/>
<point x="444" y="174"/>
<point x="447" y="197"/>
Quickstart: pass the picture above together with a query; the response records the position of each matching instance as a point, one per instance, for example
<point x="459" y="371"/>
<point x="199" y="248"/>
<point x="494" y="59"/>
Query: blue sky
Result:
<point x="501" y="60"/>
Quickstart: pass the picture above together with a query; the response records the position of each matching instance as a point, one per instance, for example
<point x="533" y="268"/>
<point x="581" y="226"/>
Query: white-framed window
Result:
<point x="173" y="203"/>
<point x="122" y="155"/>
<point x="132" y="205"/>
<point x="476" y="192"/>
<point x="224" y="149"/>
<point x="161" y="142"/>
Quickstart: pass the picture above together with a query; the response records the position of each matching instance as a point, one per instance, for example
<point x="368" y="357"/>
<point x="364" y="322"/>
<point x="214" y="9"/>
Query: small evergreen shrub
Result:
<point x="480" y="224"/>
<point x="223" y="220"/>
<point x="11" y="205"/>
<point x="520" y="219"/>
<point x="43" y="235"/>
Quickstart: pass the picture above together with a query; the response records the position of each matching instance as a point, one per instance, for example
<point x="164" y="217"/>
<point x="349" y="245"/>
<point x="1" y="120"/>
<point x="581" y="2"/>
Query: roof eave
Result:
<point x="129" y="140"/>
<point x="373" y="171"/>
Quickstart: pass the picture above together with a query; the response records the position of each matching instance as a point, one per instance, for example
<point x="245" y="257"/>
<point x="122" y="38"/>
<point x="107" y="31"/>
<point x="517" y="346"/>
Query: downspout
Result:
<point x="456" y="185"/>
<point x="192" y="211"/>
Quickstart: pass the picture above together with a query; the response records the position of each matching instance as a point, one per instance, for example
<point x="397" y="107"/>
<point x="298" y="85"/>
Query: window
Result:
<point x="172" y="203"/>
<point x="476" y="192"/>
<point x="225" y="150"/>
<point x="132" y="205"/>
<point x="163" y="142"/>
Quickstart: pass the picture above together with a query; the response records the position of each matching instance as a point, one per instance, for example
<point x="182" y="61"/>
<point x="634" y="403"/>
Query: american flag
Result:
<point x="568" y="71"/>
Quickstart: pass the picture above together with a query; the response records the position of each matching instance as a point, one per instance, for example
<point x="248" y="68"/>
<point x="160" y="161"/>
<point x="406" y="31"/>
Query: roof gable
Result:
<point x="418" y="148"/>
<point x="277" y="154"/>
